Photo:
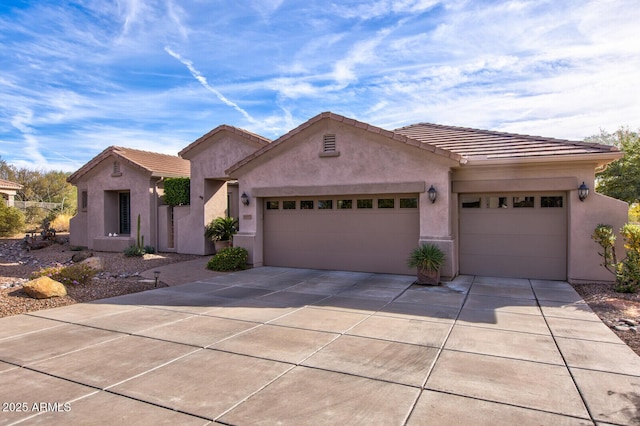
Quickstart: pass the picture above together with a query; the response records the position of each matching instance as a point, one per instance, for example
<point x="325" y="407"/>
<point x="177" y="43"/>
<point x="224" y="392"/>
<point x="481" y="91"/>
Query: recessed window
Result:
<point x="386" y="203"/>
<point x="325" y="204"/>
<point x="84" y="201"/>
<point x="329" y="143"/>
<point x="366" y="203"/>
<point x="470" y="202"/>
<point x="273" y="205"/>
<point x="551" y="201"/>
<point x="496" y="202"/>
<point x="408" y="203"/>
<point x="288" y="205"/>
<point x="523" y="202"/>
<point x="345" y="204"/>
<point x="306" y="205"/>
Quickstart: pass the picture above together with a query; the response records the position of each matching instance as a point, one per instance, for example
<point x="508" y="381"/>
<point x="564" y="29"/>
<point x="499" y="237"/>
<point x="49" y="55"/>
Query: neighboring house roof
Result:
<point x="7" y="184"/>
<point x="157" y="165"/>
<point x="351" y="122"/>
<point x="261" y="140"/>
<point x="487" y="144"/>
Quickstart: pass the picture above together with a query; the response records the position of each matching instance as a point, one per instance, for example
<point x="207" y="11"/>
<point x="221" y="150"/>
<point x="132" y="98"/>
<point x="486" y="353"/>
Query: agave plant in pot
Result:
<point x="220" y="230"/>
<point x="427" y="259"/>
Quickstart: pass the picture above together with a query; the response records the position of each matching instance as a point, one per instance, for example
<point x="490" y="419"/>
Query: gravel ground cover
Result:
<point x="121" y="276"/>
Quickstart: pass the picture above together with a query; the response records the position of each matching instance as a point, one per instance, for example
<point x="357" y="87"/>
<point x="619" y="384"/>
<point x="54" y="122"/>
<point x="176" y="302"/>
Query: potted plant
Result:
<point x="220" y="230"/>
<point x="428" y="259"/>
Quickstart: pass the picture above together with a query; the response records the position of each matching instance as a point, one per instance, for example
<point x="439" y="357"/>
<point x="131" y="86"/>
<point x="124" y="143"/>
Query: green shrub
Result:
<point x="68" y="275"/>
<point x="149" y="249"/>
<point x="229" y="259"/>
<point x="134" y="251"/>
<point x="221" y="229"/>
<point x="177" y="191"/>
<point x="11" y="220"/>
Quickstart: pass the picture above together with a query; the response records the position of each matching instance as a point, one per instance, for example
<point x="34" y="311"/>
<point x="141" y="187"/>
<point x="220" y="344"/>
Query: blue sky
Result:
<point x="78" y="76"/>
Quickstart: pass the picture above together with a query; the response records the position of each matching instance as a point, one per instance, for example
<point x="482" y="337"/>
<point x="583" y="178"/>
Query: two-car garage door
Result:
<point x="372" y="233"/>
<point x="514" y="235"/>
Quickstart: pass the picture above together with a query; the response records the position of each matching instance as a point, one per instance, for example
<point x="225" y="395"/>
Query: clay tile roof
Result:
<point x="489" y="144"/>
<point x="7" y="184"/>
<point x="157" y="165"/>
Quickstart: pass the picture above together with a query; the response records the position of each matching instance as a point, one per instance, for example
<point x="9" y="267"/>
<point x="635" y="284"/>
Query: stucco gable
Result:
<point x="151" y="163"/>
<point x="206" y="141"/>
<point x="290" y="136"/>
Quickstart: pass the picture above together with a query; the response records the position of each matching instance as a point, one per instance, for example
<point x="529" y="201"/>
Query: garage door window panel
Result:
<point x="366" y="203"/>
<point x="496" y="202"/>
<point x="408" y="203"/>
<point x="306" y="205"/>
<point x="289" y="205"/>
<point x="523" y="202"/>
<point x="273" y="205"/>
<point x="470" y="202"/>
<point x="551" y="202"/>
<point x="386" y="203"/>
<point x="345" y="204"/>
<point x="325" y="204"/>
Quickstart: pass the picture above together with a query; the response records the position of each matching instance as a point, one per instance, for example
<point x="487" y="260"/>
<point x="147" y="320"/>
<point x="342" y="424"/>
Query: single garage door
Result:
<point x="371" y="233"/>
<point x="514" y="235"/>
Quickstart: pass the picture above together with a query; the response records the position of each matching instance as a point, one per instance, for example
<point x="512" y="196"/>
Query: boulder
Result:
<point x="44" y="288"/>
<point x="80" y="256"/>
<point x="94" y="263"/>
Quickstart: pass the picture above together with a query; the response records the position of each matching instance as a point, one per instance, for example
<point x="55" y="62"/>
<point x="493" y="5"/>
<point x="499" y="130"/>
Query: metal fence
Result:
<point x="48" y="206"/>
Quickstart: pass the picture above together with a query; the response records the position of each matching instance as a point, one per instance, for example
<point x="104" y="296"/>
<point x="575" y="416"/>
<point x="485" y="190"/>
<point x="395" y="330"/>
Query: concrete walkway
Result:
<point x="307" y="347"/>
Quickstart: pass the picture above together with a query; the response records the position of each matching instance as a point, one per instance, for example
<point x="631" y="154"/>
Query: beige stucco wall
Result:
<point x="209" y="161"/>
<point x="99" y="219"/>
<point x="368" y="163"/>
<point x="583" y="262"/>
<point x="78" y="224"/>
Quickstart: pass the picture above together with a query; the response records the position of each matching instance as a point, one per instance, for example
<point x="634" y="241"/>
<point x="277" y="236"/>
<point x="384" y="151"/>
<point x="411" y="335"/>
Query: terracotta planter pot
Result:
<point x="428" y="277"/>
<point x="219" y="245"/>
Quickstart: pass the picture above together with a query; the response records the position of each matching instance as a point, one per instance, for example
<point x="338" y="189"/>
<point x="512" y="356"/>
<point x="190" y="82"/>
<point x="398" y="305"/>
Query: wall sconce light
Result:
<point x="583" y="191"/>
<point x="244" y="198"/>
<point x="432" y="194"/>
<point x="156" y="274"/>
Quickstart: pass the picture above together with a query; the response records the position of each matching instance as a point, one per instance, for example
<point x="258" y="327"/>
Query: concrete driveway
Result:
<point x="293" y="346"/>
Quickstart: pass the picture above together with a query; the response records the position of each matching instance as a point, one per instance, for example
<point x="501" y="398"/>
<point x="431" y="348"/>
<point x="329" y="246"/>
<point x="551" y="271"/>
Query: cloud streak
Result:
<point x="203" y="81"/>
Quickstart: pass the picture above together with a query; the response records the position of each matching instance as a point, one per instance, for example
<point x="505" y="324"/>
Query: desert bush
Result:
<point x="229" y="259"/>
<point x="68" y="275"/>
<point x="11" y="220"/>
<point x="627" y="270"/>
<point x="149" y="249"/>
<point x="134" y="251"/>
<point x="61" y="222"/>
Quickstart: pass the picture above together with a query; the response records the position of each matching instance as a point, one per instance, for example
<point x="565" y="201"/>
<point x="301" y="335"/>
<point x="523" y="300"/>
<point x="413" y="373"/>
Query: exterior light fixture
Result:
<point x="244" y="198"/>
<point x="432" y="194"/>
<point x="583" y="191"/>
<point x="156" y="274"/>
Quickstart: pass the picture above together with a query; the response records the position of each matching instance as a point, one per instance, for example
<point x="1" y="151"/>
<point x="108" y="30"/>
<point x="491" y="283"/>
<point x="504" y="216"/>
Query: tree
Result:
<point x="621" y="178"/>
<point x="50" y="187"/>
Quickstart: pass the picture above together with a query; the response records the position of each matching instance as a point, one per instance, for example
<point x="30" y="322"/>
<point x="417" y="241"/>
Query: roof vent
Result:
<point x="329" y="143"/>
<point x="116" y="169"/>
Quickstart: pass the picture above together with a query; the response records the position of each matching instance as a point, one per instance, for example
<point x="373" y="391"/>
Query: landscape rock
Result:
<point x="94" y="262"/>
<point x="80" y="256"/>
<point x="44" y="288"/>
